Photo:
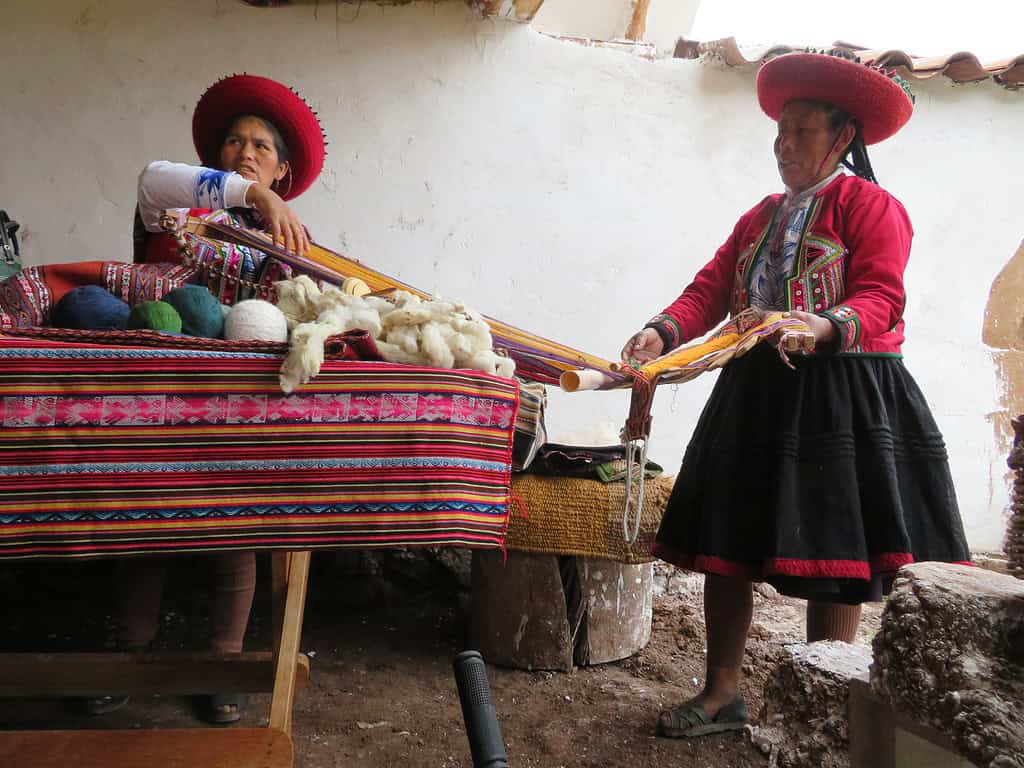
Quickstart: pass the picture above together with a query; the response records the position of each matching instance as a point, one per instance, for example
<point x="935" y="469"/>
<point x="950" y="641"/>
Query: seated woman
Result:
<point x="260" y="145"/>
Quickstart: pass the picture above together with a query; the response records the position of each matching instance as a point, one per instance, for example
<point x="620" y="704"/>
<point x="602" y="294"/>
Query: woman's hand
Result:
<point x="821" y="327"/>
<point x="643" y="346"/>
<point x="280" y="220"/>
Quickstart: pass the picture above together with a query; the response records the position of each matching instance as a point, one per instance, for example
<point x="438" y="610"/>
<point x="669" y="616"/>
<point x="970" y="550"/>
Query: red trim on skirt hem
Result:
<point x="889" y="562"/>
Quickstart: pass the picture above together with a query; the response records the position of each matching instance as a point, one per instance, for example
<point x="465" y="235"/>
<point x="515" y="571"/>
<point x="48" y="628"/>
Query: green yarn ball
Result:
<point x="201" y="313"/>
<point x="156" y="316"/>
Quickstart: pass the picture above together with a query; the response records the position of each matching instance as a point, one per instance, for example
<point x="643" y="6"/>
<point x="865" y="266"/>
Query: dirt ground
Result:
<point x="382" y="691"/>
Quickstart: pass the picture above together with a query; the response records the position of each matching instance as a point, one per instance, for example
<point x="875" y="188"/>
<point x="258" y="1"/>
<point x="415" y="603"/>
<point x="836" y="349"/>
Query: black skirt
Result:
<point x="822" y="481"/>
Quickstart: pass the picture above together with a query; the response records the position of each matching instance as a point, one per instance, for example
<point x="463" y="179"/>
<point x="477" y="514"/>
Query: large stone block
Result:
<point x="804" y="721"/>
<point x="950" y="654"/>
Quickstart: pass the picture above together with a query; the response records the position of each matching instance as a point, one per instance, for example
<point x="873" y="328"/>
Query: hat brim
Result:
<point x="879" y="104"/>
<point x="266" y="98"/>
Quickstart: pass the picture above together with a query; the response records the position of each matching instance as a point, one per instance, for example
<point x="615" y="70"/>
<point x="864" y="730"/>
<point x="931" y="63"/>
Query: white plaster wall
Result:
<point x="667" y="20"/>
<point x="570" y="190"/>
<point x="597" y="19"/>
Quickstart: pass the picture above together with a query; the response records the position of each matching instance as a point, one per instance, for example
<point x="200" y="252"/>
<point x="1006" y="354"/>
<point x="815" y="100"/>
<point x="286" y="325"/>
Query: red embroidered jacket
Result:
<point x="849" y="268"/>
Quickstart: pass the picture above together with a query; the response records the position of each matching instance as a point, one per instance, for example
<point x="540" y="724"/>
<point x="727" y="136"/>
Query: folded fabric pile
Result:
<point x="606" y="463"/>
<point x="531" y="433"/>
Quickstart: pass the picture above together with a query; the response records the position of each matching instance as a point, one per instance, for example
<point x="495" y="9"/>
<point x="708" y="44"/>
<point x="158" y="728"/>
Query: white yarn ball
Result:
<point x="255" y="320"/>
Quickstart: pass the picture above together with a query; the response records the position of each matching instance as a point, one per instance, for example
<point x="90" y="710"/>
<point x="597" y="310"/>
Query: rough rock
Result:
<point x="368" y="577"/>
<point x="950" y="654"/>
<point x="803" y="722"/>
<point x="670" y="581"/>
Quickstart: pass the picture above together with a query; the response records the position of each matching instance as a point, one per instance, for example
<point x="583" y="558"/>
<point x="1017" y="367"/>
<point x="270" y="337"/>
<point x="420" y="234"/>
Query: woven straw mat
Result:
<point x="579" y="516"/>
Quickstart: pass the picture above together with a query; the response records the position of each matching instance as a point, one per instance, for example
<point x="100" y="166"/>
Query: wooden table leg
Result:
<point x="279" y="562"/>
<point x="287" y="636"/>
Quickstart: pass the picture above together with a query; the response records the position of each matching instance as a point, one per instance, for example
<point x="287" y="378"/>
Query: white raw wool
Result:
<point x="407" y="329"/>
<point x="255" y="319"/>
<point x="297" y="299"/>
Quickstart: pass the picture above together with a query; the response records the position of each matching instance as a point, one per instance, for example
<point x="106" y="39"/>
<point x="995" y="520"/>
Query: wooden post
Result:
<point x="638" y="23"/>
<point x="519" y="617"/>
<point x="617" y="604"/>
<point x="279" y="562"/>
<point x="541" y="611"/>
<point x="516" y="10"/>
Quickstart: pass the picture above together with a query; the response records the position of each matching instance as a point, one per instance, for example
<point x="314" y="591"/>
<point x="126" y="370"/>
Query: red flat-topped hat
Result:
<point x="266" y="98"/>
<point x="879" y="99"/>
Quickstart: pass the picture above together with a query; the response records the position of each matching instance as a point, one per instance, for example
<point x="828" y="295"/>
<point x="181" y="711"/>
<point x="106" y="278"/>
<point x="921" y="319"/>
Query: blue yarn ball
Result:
<point x="200" y="312"/>
<point x="90" y="308"/>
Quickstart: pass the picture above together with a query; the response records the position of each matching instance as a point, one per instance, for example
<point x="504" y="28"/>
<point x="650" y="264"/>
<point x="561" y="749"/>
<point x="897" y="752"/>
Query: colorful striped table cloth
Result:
<point x="110" y="451"/>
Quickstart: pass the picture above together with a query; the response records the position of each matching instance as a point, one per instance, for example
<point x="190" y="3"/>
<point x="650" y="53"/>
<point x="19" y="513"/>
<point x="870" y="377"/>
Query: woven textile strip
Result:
<point x="531" y="433"/>
<point x="108" y="450"/>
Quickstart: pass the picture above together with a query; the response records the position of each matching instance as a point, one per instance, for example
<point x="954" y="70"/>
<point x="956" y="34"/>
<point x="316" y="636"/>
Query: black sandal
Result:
<point x="104" y="705"/>
<point x="225" y="708"/>
<point x="691" y="721"/>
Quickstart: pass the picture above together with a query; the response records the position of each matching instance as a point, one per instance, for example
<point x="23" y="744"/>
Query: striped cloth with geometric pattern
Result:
<point x="116" y="450"/>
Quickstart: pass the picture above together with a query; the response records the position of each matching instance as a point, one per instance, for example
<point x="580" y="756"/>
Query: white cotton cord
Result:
<point x="632" y="513"/>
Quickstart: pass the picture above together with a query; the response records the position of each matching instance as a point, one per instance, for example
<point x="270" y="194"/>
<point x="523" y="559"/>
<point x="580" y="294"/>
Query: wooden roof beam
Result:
<point x="638" y="22"/>
<point x="514" y="10"/>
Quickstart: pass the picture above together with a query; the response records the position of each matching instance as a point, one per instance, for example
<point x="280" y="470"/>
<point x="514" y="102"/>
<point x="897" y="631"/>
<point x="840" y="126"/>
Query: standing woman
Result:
<point x="822" y="480"/>
<point x="260" y="145"/>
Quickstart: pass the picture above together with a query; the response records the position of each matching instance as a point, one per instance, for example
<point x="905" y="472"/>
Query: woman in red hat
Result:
<point x="260" y="145"/>
<point x="825" y="479"/>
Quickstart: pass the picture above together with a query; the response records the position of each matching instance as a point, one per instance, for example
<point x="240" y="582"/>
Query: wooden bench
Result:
<point x="282" y="671"/>
<point x="169" y="748"/>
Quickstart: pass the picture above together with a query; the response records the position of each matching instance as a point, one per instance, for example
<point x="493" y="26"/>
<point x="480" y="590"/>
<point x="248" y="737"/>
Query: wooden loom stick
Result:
<point x="738" y="334"/>
<point x="331" y="266"/>
<point x="687" y="355"/>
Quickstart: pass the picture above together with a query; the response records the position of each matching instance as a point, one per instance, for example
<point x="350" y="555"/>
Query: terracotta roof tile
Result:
<point x="962" y="67"/>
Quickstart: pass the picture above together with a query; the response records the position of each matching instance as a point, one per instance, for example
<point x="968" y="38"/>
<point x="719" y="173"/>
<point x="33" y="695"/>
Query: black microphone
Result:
<point x="478" y="712"/>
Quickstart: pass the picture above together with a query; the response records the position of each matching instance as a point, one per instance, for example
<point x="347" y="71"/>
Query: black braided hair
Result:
<point x="856" y="156"/>
<point x="857" y="159"/>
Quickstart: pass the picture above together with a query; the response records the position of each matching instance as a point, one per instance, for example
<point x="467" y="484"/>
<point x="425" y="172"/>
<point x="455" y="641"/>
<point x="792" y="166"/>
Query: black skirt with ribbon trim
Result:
<point x="822" y="480"/>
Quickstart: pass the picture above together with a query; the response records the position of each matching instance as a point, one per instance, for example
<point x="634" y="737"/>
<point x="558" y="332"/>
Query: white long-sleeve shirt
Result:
<point x="164" y="185"/>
